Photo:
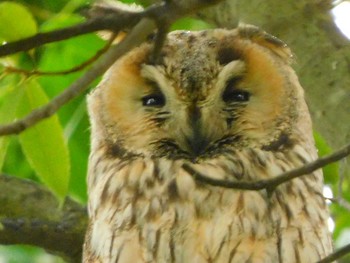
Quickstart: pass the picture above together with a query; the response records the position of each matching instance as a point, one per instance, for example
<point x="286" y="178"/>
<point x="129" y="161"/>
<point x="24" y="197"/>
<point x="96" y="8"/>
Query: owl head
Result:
<point x="210" y="91"/>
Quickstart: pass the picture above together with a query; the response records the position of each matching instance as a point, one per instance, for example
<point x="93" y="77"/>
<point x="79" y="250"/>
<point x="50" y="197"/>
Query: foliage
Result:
<point x="55" y="152"/>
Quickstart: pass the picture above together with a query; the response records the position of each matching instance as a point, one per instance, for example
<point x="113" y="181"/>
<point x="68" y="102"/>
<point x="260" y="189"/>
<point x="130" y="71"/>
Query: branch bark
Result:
<point x="114" y="21"/>
<point x="30" y="214"/>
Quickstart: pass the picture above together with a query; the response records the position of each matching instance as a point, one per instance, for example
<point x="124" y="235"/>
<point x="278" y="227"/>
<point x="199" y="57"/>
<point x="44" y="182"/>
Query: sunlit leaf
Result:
<point x="43" y="144"/>
<point x="73" y="115"/>
<point x="8" y="107"/>
<point x="16" y="22"/>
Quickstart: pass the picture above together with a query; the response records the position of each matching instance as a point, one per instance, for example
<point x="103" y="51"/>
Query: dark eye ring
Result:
<point x="232" y="94"/>
<point x="236" y="96"/>
<point x="153" y="100"/>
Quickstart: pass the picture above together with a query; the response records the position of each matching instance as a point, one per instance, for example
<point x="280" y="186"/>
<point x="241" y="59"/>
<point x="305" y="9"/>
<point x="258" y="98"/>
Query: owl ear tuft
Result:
<point x="266" y="40"/>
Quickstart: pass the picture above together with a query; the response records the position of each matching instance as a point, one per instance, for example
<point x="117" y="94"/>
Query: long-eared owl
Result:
<point x="228" y="104"/>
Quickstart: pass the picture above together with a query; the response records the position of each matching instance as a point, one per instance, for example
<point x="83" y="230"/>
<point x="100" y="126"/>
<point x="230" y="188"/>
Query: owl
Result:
<point x="228" y="104"/>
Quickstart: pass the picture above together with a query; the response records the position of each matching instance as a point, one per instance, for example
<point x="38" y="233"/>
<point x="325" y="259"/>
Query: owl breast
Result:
<point x="160" y="214"/>
<point x="227" y="103"/>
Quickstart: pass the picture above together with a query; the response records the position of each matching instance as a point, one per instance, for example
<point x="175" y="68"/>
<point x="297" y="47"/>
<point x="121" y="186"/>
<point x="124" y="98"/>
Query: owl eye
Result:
<point x="236" y="96"/>
<point x="155" y="100"/>
<point x="232" y="94"/>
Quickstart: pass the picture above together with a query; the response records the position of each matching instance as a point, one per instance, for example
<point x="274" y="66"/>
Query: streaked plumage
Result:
<point x="228" y="103"/>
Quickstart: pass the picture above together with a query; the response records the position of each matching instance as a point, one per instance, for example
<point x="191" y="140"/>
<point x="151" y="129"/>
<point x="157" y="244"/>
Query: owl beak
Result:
<point x="196" y="141"/>
<point x="196" y="145"/>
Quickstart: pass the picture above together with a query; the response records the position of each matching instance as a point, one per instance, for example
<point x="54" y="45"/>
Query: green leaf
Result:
<point x="78" y="138"/>
<point x="190" y="24"/>
<point x="330" y="172"/>
<point x="74" y="54"/>
<point x="8" y="106"/>
<point x="16" y="22"/>
<point x="43" y="144"/>
<point x="4" y="143"/>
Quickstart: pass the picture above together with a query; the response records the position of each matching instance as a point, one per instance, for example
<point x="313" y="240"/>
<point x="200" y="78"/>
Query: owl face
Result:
<point x="211" y="90"/>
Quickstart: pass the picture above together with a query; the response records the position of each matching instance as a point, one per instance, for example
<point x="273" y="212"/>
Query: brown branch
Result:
<point x="30" y="214"/>
<point x="159" y="40"/>
<point x="58" y="238"/>
<point x="112" y="19"/>
<point x="336" y="255"/>
<point x="114" y="23"/>
<point x="270" y="184"/>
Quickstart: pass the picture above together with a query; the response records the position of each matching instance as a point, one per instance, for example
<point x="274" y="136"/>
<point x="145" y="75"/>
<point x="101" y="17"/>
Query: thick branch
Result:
<point x="113" y="19"/>
<point x="114" y="23"/>
<point x="271" y="184"/>
<point x="30" y="214"/>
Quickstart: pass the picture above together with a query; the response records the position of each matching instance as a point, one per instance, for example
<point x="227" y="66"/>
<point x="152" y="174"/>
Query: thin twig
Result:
<point x="136" y="37"/>
<point x="340" y="201"/>
<point x="83" y="65"/>
<point x="336" y="255"/>
<point x="271" y="184"/>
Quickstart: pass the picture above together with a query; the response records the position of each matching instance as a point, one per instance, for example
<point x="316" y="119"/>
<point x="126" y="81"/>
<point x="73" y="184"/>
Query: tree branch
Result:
<point x="114" y="23"/>
<point x="270" y="184"/>
<point x="31" y="215"/>
<point x="113" y="19"/>
<point x="137" y="36"/>
<point x="340" y="201"/>
<point x="161" y="13"/>
<point x="336" y="255"/>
